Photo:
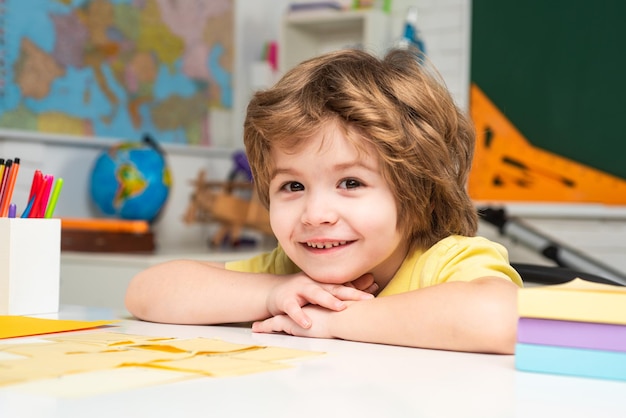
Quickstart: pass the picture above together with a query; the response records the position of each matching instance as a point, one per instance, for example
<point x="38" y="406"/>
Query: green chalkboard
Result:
<point x="557" y="70"/>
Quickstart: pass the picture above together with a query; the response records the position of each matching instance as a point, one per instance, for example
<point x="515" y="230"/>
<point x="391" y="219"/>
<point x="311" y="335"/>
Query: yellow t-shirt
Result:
<point x="454" y="258"/>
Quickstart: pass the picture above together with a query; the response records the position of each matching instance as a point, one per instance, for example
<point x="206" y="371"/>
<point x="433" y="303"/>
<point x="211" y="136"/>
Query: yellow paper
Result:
<point x="64" y="356"/>
<point x="199" y="346"/>
<point x="110" y="339"/>
<point x="49" y="348"/>
<point x="219" y="366"/>
<point x="22" y="326"/>
<point x="101" y="381"/>
<point x="51" y="366"/>
<point x="274" y="354"/>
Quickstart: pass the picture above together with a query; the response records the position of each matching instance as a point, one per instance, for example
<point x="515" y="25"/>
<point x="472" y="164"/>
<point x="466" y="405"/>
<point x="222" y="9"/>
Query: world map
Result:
<point x="116" y="68"/>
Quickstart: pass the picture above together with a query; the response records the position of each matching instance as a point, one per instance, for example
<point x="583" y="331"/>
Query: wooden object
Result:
<point x="106" y="235"/>
<point x="225" y="203"/>
<point x="85" y="240"/>
<point x="110" y="225"/>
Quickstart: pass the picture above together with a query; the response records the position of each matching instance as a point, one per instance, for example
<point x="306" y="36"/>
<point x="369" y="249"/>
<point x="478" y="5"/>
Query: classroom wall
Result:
<point x="73" y="158"/>
<point x="445" y="29"/>
<point x="444" y="25"/>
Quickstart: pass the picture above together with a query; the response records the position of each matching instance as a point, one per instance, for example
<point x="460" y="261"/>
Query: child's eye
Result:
<point x="350" y="184"/>
<point x="293" y="186"/>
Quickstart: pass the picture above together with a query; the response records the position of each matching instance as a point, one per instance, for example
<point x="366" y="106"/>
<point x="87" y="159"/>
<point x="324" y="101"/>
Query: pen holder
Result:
<point x="30" y="257"/>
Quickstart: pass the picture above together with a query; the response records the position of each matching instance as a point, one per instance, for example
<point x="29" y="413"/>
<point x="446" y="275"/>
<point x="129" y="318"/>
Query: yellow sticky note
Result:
<point x="199" y="346"/>
<point x="108" y="339"/>
<point x="218" y="366"/>
<point x="22" y="326"/>
<point x="97" y="382"/>
<point x="77" y="358"/>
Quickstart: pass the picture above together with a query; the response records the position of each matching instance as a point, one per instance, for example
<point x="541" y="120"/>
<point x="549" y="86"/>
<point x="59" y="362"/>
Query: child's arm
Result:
<point x="475" y="316"/>
<point x="194" y="292"/>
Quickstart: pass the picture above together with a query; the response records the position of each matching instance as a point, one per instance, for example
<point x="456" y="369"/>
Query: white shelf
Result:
<point x="307" y="34"/>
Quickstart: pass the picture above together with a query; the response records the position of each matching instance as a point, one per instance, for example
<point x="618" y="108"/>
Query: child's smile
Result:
<point x="332" y="211"/>
<point x="325" y="244"/>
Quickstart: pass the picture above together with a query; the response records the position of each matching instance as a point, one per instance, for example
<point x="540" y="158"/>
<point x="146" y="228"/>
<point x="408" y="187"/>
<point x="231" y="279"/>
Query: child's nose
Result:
<point x="319" y="209"/>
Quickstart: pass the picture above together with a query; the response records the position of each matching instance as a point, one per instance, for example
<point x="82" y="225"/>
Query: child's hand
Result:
<point x="299" y="290"/>
<point x="319" y="326"/>
<point x="365" y="283"/>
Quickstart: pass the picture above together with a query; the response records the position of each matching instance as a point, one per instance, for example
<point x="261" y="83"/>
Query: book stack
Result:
<point x="576" y="328"/>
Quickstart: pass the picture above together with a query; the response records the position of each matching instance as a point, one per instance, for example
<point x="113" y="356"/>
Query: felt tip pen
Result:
<point x="8" y="193"/>
<point x="43" y="204"/>
<point x="1" y="168"/>
<point x="29" y="206"/>
<point x="36" y="183"/>
<point x="12" y="210"/>
<point x="54" y="197"/>
<point x="5" y="180"/>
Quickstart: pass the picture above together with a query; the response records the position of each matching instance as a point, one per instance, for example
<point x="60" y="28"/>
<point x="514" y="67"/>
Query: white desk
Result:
<point x="351" y="380"/>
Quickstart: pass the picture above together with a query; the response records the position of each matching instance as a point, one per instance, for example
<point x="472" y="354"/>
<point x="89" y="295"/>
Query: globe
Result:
<point x="131" y="180"/>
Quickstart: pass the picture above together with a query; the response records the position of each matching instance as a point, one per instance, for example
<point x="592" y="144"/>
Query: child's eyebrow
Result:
<point x="337" y="167"/>
<point x="276" y="171"/>
<point x="354" y="164"/>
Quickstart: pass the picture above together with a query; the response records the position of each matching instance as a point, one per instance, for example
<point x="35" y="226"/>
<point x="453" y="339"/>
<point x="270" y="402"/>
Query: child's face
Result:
<point x="332" y="211"/>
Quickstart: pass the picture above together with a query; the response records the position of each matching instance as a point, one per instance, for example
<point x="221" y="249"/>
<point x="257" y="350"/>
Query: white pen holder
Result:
<point x="30" y="257"/>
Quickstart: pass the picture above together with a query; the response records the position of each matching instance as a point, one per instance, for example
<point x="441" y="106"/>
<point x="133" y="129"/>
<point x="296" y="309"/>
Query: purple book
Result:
<point x="591" y="335"/>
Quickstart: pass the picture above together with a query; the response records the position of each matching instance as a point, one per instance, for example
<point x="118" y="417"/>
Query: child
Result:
<point x="363" y="164"/>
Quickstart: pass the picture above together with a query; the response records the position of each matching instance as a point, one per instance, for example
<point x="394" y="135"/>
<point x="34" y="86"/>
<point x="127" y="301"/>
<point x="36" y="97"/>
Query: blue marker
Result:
<point x="28" y="207"/>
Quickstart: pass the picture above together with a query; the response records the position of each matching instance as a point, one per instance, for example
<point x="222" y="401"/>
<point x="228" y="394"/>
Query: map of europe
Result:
<point x="116" y="68"/>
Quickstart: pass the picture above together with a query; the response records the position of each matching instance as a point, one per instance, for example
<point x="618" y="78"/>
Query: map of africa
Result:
<point x="116" y="68"/>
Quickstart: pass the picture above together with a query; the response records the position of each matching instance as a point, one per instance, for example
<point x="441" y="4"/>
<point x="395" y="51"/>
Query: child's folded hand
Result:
<point x="365" y="283"/>
<point x="318" y="328"/>
<point x="290" y="295"/>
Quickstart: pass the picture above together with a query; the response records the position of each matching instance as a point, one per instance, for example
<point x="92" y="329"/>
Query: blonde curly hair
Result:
<point x="393" y="105"/>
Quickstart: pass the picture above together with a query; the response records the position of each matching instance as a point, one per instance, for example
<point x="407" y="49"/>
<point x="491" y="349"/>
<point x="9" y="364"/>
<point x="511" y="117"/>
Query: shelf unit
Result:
<point x="309" y="33"/>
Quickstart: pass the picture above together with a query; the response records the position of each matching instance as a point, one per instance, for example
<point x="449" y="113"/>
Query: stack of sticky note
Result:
<point x="577" y="328"/>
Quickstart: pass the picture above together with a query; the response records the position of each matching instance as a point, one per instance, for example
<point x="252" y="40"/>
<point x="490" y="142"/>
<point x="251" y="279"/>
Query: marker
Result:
<point x="34" y="186"/>
<point x="35" y="189"/>
<point x="34" y="211"/>
<point x="45" y="196"/>
<point x="1" y="168"/>
<point x="29" y="206"/>
<point x="3" y="185"/>
<point x="58" y="185"/>
<point x="5" y="176"/>
<point x="12" y="210"/>
<point x="8" y="196"/>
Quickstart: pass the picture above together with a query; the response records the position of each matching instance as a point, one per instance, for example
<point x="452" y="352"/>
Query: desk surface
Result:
<point x="350" y="380"/>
